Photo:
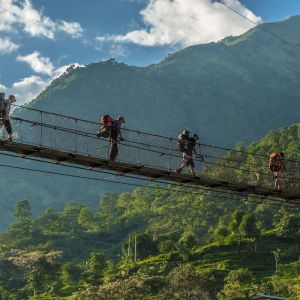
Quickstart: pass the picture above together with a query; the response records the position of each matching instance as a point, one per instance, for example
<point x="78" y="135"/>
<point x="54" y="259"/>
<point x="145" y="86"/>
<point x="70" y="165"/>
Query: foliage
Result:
<point x="95" y="268"/>
<point x="127" y="289"/>
<point x="238" y="285"/>
<point x="187" y="246"/>
<point x="289" y="227"/>
<point x="183" y="283"/>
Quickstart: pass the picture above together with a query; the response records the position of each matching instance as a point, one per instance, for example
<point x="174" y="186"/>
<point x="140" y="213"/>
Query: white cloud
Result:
<point x="187" y="22"/>
<point x="35" y="23"/>
<point x="117" y="50"/>
<point x="22" y="15"/>
<point x="7" y="46"/>
<point x="38" y="63"/>
<point x="30" y="87"/>
<point x="58" y="72"/>
<point x="2" y="88"/>
<point x="74" y="29"/>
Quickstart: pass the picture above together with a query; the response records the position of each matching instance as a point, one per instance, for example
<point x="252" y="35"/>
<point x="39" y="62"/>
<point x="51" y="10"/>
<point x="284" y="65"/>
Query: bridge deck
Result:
<point x="141" y="170"/>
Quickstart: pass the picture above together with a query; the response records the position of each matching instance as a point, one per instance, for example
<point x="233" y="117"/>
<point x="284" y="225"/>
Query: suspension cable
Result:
<point x="161" y="182"/>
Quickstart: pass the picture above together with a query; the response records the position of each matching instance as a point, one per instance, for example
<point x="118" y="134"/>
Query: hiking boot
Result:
<point x="178" y="171"/>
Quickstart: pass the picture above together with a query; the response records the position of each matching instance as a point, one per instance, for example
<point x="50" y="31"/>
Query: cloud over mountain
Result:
<point x="187" y="22"/>
<point x="38" y="63"/>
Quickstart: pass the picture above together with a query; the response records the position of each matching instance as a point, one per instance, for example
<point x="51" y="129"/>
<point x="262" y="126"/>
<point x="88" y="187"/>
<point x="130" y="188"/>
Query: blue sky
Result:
<point x="40" y="38"/>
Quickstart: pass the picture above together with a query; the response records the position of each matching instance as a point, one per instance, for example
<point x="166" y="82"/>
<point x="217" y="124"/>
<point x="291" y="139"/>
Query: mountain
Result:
<point x="231" y="91"/>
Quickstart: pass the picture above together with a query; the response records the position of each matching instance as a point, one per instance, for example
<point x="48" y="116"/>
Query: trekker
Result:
<point x="277" y="167"/>
<point x="115" y="137"/>
<point x="5" y="105"/>
<point x="182" y="140"/>
<point x="187" y="155"/>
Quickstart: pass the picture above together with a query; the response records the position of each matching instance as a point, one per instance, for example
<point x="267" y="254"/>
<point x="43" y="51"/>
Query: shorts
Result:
<point x="278" y="174"/>
<point x="188" y="160"/>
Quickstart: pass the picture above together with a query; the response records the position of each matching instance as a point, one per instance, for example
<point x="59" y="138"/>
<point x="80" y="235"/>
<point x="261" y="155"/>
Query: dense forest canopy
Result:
<point x="157" y="244"/>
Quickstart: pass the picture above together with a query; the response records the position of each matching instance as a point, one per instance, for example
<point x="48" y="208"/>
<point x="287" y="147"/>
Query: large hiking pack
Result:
<point x="275" y="162"/>
<point x="182" y="143"/>
<point x="106" y="124"/>
<point x="2" y="104"/>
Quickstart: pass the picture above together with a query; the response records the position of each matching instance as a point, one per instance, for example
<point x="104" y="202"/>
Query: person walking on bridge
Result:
<point x="115" y="137"/>
<point x="187" y="155"/>
<point x="5" y="105"/>
<point x="277" y="167"/>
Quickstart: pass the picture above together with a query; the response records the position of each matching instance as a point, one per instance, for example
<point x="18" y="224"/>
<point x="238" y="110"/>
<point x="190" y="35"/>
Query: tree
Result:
<point x="71" y="273"/>
<point x="276" y="254"/>
<point x="95" y="268"/>
<point x="145" y="246"/>
<point x="41" y="269"/>
<point x="248" y="227"/>
<point x="184" y="283"/>
<point x="21" y="230"/>
<point x="109" y="212"/>
<point x="235" y="221"/>
<point x="69" y="219"/>
<point x="86" y="218"/>
<point x="5" y="294"/>
<point x="188" y="241"/>
<point x="47" y="222"/>
<point x="23" y="211"/>
<point x="221" y="230"/>
<point x="238" y="285"/>
<point x="289" y="227"/>
<point x="135" y="287"/>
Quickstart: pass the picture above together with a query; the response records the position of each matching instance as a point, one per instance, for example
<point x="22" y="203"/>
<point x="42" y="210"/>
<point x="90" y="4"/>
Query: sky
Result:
<point x="39" y="39"/>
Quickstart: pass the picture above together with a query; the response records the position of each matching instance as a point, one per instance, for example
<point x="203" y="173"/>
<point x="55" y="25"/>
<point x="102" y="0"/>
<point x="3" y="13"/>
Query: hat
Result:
<point x="121" y="118"/>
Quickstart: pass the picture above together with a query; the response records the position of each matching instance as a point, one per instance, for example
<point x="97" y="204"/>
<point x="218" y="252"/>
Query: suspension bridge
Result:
<point x="63" y="139"/>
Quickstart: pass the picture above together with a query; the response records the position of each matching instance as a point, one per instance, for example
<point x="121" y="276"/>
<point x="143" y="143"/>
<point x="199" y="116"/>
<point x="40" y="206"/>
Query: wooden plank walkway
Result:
<point x="144" y="171"/>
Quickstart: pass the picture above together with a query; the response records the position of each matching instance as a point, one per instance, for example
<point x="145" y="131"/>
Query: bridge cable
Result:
<point x="259" y="26"/>
<point x="162" y="182"/>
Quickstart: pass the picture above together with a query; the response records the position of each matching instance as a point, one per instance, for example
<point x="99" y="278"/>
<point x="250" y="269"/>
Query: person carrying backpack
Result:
<point x="115" y="137"/>
<point x="5" y="105"/>
<point x="277" y="168"/>
<point x="187" y="155"/>
<point x="182" y="140"/>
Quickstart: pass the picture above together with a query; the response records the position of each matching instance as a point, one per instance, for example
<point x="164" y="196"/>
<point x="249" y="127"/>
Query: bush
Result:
<point x="238" y="285"/>
<point x="184" y="282"/>
<point x="289" y="227"/>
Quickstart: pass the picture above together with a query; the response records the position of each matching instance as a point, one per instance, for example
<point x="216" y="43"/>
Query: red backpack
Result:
<point x="275" y="162"/>
<point x="106" y="123"/>
<point x="106" y="120"/>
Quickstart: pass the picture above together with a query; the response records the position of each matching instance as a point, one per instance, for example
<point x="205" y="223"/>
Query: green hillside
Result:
<point x="231" y="91"/>
<point x="188" y="246"/>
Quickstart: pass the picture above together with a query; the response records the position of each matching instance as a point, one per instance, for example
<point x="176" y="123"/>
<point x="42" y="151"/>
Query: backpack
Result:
<point x="106" y="123"/>
<point x="182" y="143"/>
<point x="275" y="162"/>
<point x="2" y="102"/>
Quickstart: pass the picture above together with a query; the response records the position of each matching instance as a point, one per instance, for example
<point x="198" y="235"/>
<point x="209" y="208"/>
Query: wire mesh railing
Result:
<point x="77" y="136"/>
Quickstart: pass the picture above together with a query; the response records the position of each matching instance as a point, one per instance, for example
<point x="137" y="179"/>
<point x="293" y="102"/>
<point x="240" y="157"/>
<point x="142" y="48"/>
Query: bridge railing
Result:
<point x="73" y="135"/>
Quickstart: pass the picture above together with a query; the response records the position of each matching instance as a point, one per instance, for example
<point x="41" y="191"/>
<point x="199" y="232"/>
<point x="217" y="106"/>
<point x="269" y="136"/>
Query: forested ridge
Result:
<point x="157" y="244"/>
